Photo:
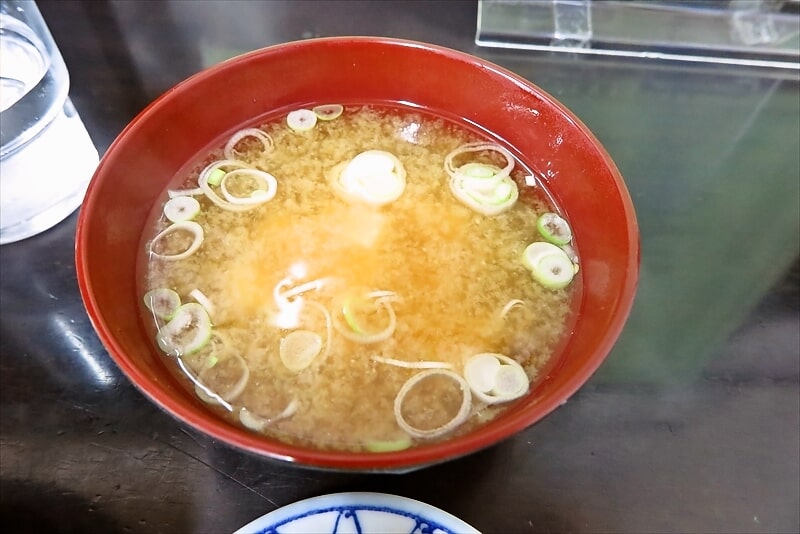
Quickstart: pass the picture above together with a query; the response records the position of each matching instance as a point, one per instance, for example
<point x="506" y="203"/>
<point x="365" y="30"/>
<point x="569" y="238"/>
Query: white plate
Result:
<point x="358" y="513"/>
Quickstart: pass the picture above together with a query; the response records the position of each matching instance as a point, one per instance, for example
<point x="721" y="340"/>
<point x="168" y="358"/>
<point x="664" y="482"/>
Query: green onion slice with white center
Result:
<point x="301" y="120"/>
<point x="479" y="177"/>
<point x="187" y="331"/>
<point x="328" y="112"/>
<point x="549" y="265"/>
<point x="489" y="203"/>
<point x="484" y="187"/>
<point x="374" y="177"/>
<point x="495" y="378"/>
<point x="163" y="302"/>
<point x="478" y="170"/>
<point x="554" y="271"/>
<point x="536" y="251"/>
<point x="181" y="208"/>
<point x="187" y="226"/>
<point x="554" y="228"/>
<point x="299" y="348"/>
<point x="458" y="419"/>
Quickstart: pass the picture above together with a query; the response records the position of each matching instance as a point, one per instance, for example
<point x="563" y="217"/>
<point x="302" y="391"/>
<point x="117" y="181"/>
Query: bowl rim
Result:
<point x="407" y="459"/>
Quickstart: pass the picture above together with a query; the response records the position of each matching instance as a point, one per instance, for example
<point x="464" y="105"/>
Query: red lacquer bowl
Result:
<point x="195" y="115"/>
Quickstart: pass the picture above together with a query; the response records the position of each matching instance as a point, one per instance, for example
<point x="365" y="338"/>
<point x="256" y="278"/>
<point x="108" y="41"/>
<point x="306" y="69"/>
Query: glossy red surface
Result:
<point x="188" y="119"/>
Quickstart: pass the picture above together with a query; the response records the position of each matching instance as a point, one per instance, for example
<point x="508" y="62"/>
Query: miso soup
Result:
<point x="358" y="278"/>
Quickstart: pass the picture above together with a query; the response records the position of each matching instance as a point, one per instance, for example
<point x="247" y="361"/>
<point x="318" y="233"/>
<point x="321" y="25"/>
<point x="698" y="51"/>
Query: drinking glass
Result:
<point x="46" y="155"/>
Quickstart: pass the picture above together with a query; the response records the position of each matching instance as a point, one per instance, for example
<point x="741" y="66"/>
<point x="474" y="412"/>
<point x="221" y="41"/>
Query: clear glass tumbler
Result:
<point x="46" y="155"/>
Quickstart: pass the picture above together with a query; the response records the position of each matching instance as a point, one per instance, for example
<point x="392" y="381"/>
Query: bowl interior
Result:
<point x="198" y="115"/>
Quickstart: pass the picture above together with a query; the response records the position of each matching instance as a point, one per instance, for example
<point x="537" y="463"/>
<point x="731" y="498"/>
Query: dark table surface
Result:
<point x="691" y="425"/>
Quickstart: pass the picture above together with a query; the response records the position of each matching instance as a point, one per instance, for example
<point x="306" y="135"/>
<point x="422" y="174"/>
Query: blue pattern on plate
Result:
<point x="422" y="525"/>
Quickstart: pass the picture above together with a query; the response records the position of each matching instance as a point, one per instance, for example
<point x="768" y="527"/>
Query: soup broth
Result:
<point x="338" y="321"/>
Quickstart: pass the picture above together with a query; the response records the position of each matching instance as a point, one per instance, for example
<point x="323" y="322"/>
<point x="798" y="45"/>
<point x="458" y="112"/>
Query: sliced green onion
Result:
<point x="458" y="419"/>
<point x="187" y="332"/>
<point x="536" y="251"/>
<point x="203" y="392"/>
<point x="501" y="198"/>
<point x="236" y="168"/>
<point x="455" y="172"/>
<point x="388" y="446"/>
<point x="485" y="188"/>
<point x="381" y="189"/>
<point x="412" y="365"/>
<point x="554" y="228"/>
<point x="253" y="421"/>
<point x="268" y="187"/>
<point x="384" y="295"/>
<point x="230" y="147"/>
<point x="216" y="176"/>
<point x="221" y="165"/>
<point x="480" y="178"/>
<point x="181" y="209"/>
<point x="510" y="305"/>
<point x="229" y="377"/>
<point x="208" y="356"/>
<point x="481" y="372"/>
<point x="372" y="162"/>
<point x="478" y="170"/>
<point x="299" y="348"/>
<point x="374" y="177"/>
<point x="353" y="330"/>
<point x="503" y="194"/>
<point x="328" y="328"/>
<point x="162" y="302"/>
<point x="301" y="120"/>
<point x="503" y="191"/>
<point x="495" y="378"/>
<point x="188" y="226"/>
<point x="289" y="411"/>
<point x="554" y="271"/>
<point x="203" y="300"/>
<point x="511" y="382"/>
<point x="349" y="314"/>
<point x="569" y="250"/>
<point x="377" y="337"/>
<point x="328" y="112"/>
<point x="258" y="423"/>
<point x="282" y="297"/>
<point x="549" y="265"/>
<point x="172" y="193"/>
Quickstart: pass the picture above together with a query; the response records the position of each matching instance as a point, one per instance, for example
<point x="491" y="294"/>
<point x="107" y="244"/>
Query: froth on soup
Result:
<point x="355" y="278"/>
